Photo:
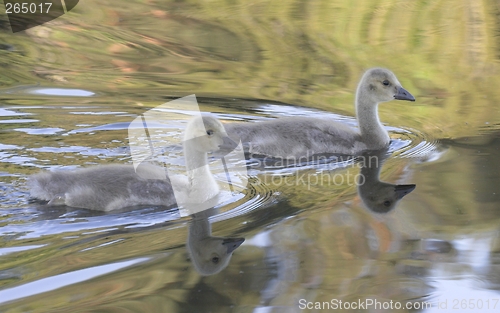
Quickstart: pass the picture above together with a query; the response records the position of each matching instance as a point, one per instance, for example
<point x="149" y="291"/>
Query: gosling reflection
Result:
<point x="378" y="196"/>
<point x="209" y="254"/>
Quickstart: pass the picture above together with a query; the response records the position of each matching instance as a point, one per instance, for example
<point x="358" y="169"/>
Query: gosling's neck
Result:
<point x="199" y="229"/>
<point x="198" y="232"/>
<point x="200" y="178"/>
<point x="373" y="133"/>
<point x="370" y="168"/>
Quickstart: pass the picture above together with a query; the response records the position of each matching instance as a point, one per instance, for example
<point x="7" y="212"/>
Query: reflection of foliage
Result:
<point x="309" y="53"/>
<point x="297" y="52"/>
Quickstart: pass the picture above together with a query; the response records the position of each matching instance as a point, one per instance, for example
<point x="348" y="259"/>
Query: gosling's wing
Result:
<point x="151" y="192"/>
<point x="295" y="137"/>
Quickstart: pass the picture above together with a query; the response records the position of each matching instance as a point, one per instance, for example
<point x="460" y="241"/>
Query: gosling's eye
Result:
<point x="210" y="132"/>
<point x="215" y="259"/>
<point x="387" y="203"/>
<point x="386" y="82"/>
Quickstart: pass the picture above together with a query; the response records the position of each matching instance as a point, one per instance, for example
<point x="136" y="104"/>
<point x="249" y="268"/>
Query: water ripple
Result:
<point x="63" y="280"/>
<point x="40" y="131"/>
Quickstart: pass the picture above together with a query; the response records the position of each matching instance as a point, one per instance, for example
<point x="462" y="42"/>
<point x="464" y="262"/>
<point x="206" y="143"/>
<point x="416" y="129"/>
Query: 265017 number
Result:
<point x="27" y="7"/>
<point x="474" y="304"/>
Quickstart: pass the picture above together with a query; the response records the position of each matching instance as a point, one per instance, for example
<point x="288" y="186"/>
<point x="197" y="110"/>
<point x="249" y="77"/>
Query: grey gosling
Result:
<point x="299" y="137"/>
<point x="111" y="187"/>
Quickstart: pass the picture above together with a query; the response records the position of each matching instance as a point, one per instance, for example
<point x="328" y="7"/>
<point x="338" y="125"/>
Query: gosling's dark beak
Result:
<point x="232" y="243"/>
<point x="228" y="144"/>
<point x="403" y="94"/>
<point x="403" y="190"/>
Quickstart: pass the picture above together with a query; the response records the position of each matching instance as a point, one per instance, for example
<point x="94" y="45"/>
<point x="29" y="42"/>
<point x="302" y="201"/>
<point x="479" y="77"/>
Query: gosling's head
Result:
<point x="206" y="134"/>
<point x="383" y="197"/>
<point x="211" y="255"/>
<point x="381" y="85"/>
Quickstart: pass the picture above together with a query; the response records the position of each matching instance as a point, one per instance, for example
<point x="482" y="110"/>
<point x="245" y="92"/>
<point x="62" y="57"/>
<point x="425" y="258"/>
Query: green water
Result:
<point x="70" y="88"/>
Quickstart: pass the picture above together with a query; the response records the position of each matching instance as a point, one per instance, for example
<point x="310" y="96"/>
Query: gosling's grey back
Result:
<point x="106" y="187"/>
<point x="296" y="137"/>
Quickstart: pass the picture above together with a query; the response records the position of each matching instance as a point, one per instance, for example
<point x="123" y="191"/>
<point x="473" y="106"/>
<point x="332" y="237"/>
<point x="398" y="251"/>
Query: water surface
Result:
<point x="70" y="88"/>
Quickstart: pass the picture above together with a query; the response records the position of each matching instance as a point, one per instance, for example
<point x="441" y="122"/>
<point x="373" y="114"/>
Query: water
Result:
<point x="70" y="88"/>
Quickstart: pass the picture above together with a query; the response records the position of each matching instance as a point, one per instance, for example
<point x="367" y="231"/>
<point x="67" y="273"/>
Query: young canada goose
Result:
<point x="297" y="137"/>
<point x="110" y="187"/>
<point x="209" y="254"/>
